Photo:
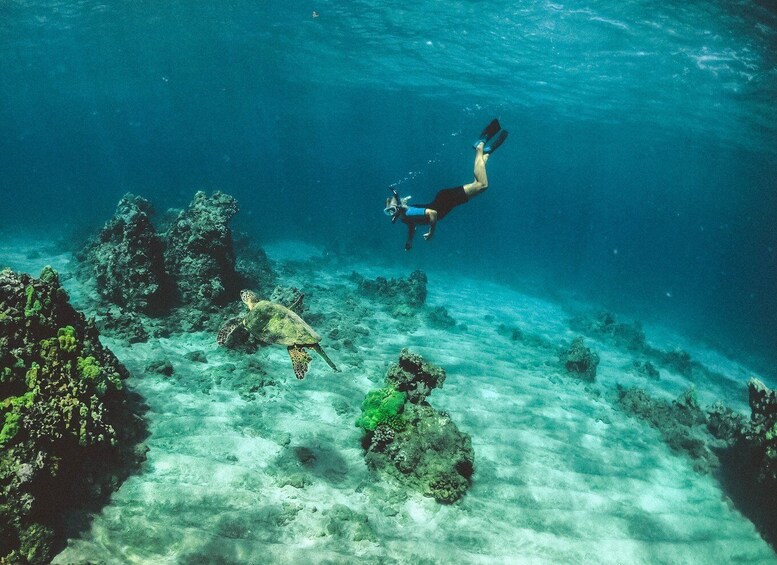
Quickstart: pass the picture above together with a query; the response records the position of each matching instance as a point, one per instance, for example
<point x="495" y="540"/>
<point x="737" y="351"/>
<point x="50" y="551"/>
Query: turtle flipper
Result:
<point x="299" y="360"/>
<point x="317" y="348"/>
<point x="226" y="330"/>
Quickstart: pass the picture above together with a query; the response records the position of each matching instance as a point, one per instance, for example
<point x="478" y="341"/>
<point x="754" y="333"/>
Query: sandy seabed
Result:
<point x="249" y="465"/>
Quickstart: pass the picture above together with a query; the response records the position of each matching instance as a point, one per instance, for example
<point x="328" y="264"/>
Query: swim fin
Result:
<point x="496" y="142"/>
<point x="488" y="132"/>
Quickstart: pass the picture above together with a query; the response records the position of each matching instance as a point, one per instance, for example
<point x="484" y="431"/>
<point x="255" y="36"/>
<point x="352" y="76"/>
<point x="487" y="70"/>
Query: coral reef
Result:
<point x="183" y="279"/>
<point x="70" y="428"/>
<point x="199" y="254"/>
<point x="682" y="423"/>
<point x="604" y="324"/>
<point x="646" y="369"/>
<point x="126" y="258"/>
<point x="632" y="338"/>
<point x="440" y="318"/>
<point x="414" y="376"/>
<point x="580" y="360"/>
<point x="253" y="266"/>
<point x="408" y="439"/>
<point x="410" y="292"/>
<point x="762" y="431"/>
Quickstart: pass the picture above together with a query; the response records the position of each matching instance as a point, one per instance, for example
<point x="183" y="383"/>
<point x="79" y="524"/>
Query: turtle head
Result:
<point x="249" y="298"/>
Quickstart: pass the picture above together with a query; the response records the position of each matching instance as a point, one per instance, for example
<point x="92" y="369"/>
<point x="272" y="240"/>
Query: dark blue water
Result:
<point x="639" y="172"/>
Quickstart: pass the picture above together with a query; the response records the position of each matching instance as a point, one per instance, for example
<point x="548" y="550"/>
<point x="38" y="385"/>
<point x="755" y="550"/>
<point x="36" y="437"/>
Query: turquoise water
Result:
<point x="639" y="170"/>
<point x="638" y="177"/>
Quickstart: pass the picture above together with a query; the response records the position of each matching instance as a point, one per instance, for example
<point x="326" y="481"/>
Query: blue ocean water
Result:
<point x="639" y="171"/>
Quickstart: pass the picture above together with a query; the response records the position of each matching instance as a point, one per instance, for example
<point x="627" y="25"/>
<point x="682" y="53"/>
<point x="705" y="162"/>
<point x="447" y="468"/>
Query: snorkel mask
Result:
<point x="395" y="208"/>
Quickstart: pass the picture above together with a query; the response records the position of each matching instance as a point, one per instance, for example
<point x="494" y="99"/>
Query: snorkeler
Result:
<point x="447" y="199"/>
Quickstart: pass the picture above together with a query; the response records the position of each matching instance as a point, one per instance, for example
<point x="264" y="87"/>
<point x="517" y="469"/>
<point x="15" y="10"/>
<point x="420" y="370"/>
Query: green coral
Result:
<point x="32" y="376"/>
<point x="382" y="406"/>
<point x="16" y="404"/>
<point x="88" y="367"/>
<point x="32" y="305"/>
<point x="67" y="339"/>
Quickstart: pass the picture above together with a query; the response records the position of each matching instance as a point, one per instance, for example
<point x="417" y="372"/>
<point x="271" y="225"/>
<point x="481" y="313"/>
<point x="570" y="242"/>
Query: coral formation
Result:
<point x="69" y="425"/>
<point x="604" y="324"/>
<point x="632" y="338"/>
<point x="126" y="258"/>
<point x="580" y="360"/>
<point x="762" y="431"/>
<point x="414" y="376"/>
<point x="682" y="423"/>
<point x="182" y="279"/>
<point x="382" y="407"/>
<point x="408" y="439"/>
<point x="198" y="251"/>
<point x="440" y="318"/>
<point x="410" y="292"/>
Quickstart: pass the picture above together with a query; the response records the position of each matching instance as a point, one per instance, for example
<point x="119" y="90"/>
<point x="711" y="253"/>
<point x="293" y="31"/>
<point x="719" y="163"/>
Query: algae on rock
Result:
<point x="408" y="439"/>
<point x="69" y="426"/>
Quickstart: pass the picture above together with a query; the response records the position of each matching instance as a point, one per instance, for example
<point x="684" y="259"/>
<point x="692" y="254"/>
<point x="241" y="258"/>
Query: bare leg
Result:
<point x="480" y="184"/>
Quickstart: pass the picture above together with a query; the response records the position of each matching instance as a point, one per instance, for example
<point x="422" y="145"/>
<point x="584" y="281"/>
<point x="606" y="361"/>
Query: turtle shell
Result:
<point x="272" y="323"/>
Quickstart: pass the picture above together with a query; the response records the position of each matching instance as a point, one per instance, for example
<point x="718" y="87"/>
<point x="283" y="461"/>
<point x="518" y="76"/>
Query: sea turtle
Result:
<point x="271" y="322"/>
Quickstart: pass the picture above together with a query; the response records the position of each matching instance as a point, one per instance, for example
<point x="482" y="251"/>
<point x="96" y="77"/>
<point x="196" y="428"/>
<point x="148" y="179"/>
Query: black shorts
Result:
<point x="446" y="200"/>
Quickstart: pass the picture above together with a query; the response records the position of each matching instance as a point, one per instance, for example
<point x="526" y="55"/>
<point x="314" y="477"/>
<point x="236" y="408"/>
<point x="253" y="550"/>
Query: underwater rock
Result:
<point x="198" y="356"/>
<point x="414" y="376"/>
<point x="630" y="336"/>
<point x="762" y="431"/>
<point x="124" y="324"/>
<point x="440" y="318"/>
<point x="342" y="522"/>
<point x="253" y="266"/>
<point x="126" y="259"/>
<point x="162" y="367"/>
<point x="646" y="369"/>
<point x="580" y="360"/>
<point x="70" y="430"/>
<point x="199" y="253"/>
<point x="410" y="292"/>
<point x="288" y="297"/>
<point x="512" y="332"/>
<point x="408" y="439"/>
<point x="682" y="423"/>
<point x="677" y="360"/>
<point x="725" y="424"/>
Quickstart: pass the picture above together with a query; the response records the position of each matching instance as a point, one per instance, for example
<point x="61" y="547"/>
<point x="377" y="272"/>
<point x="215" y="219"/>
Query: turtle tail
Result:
<point x="317" y="348"/>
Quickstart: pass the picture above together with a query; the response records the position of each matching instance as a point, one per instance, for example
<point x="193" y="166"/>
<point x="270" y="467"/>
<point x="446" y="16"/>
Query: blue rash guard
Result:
<point x="445" y="201"/>
<point x="415" y="215"/>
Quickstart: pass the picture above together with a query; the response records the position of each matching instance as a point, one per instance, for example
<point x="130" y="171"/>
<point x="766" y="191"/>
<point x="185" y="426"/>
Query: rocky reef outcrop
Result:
<point x="409" y="293"/>
<point x="741" y="453"/>
<point x="580" y="360"/>
<point x="70" y="429"/>
<point x="126" y="259"/>
<point x="199" y="254"/>
<point x="761" y="432"/>
<point x="683" y="424"/>
<point x="155" y="285"/>
<point x="409" y="440"/>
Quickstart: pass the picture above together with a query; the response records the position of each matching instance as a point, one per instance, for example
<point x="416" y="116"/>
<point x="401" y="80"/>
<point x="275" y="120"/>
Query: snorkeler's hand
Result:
<point x="408" y="245"/>
<point x="427" y="236"/>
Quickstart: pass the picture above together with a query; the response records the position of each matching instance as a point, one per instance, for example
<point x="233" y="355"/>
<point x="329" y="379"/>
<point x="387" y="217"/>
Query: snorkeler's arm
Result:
<point x="410" y="234"/>
<point x="432" y="215"/>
